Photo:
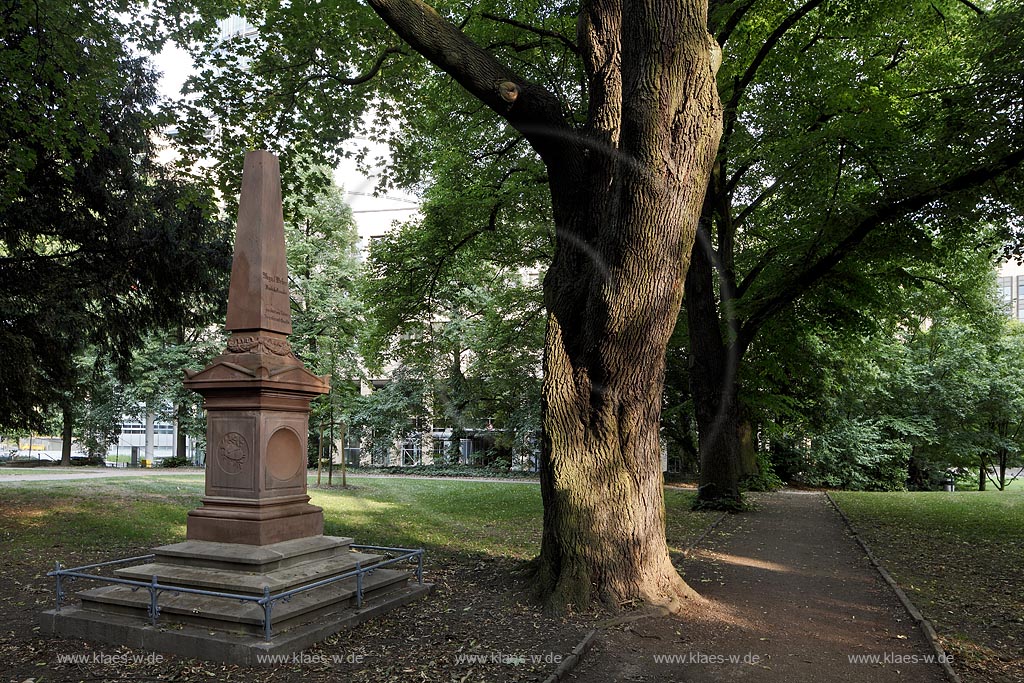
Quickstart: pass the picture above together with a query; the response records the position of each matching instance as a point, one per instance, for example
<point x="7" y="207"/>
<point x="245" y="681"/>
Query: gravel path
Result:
<point x="793" y="598"/>
<point x="94" y="474"/>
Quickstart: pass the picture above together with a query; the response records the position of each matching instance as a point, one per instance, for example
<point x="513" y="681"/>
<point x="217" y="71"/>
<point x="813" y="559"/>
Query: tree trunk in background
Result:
<point x="982" y="477"/>
<point x="180" y="437"/>
<point x="67" y="429"/>
<point x="713" y="385"/>
<point x="915" y="475"/>
<point x="180" y="413"/>
<point x="150" y="438"/>
<point x="747" y="449"/>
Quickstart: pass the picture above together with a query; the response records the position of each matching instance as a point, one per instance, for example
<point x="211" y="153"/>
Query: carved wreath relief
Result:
<point x="232" y="452"/>
<point x="278" y="347"/>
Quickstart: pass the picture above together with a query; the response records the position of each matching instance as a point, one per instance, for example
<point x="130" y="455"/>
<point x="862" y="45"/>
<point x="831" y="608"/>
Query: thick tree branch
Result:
<point x="501" y="151"/>
<point x="881" y="213"/>
<point x="945" y="286"/>
<point x="758" y="201"/>
<point x="515" y="47"/>
<point x="977" y="10"/>
<point x="529" y="108"/>
<point x="373" y="70"/>
<point x="731" y="23"/>
<point x="756" y="271"/>
<point x="534" y="29"/>
<point x="599" y="33"/>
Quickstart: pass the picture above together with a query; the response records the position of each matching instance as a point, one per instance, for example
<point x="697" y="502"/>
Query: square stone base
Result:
<point x="254" y="522"/>
<point x="232" y="629"/>
<point x="202" y="643"/>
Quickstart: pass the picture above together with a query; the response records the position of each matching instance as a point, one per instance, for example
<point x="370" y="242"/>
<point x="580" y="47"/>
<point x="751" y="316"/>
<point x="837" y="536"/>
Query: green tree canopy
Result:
<point x="862" y="143"/>
<point x="98" y="242"/>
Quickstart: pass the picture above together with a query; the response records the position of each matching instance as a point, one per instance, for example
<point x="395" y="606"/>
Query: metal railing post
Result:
<point x="359" y="585"/>
<point x="419" y="568"/>
<point x="154" y="608"/>
<point x="268" y="607"/>
<point x="60" y="585"/>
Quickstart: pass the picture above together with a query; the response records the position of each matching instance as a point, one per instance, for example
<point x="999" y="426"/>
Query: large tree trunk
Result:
<point x="713" y="385"/>
<point x="613" y="294"/>
<point x="626" y="194"/>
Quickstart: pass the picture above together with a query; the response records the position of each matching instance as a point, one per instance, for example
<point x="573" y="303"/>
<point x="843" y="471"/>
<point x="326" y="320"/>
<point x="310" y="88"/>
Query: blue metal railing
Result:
<point x="266" y="602"/>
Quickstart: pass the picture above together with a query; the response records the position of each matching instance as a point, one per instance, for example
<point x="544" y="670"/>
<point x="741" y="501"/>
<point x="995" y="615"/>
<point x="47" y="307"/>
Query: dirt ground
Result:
<point x="478" y="625"/>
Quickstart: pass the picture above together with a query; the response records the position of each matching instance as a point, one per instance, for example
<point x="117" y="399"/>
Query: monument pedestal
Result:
<point x="257" y="423"/>
<point x="231" y="630"/>
<point x="248" y="570"/>
<point x="255" y="533"/>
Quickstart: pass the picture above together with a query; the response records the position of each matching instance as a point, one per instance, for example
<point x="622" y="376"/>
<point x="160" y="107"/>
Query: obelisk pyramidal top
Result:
<point x="258" y="299"/>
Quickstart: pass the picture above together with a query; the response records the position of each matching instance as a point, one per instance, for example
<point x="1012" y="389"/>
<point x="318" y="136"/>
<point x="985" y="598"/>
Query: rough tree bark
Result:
<point x="626" y="193"/>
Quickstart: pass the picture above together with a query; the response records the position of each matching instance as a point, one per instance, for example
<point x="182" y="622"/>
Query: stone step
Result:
<point x="243" y="649"/>
<point x="252" y="558"/>
<point x="247" y="583"/>
<point x="236" y="616"/>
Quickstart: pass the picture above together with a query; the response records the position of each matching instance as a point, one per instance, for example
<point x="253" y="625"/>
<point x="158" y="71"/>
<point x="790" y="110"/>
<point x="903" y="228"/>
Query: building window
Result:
<point x="412" y="452"/>
<point x="1006" y="291"/>
<point x="1019" y="299"/>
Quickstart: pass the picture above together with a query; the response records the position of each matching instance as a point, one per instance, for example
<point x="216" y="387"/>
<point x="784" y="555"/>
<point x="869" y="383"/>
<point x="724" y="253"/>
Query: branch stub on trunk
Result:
<point x="509" y="91"/>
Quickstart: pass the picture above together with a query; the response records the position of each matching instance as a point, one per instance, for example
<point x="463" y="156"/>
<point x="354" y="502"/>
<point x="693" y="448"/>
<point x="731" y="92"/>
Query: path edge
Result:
<point x="927" y="629"/>
<point x="707" y="532"/>
<point x="570" y="662"/>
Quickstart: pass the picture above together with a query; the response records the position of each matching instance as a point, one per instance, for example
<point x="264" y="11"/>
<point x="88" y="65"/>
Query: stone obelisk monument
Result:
<point x="258" y="393"/>
<point x="255" y="533"/>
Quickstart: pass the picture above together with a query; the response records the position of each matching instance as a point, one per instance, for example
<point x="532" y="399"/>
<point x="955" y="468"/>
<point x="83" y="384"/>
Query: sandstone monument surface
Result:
<point x="255" y="576"/>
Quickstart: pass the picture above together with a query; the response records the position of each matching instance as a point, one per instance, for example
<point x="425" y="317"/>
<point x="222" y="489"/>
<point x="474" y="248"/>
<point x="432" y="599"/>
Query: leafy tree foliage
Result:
<point x="99" y="407"/>
<point x="925" y="384"/>
<point x="327" y="310"/>
<point x="475" y="350"/>
<point x="391" y="414"/>
<point x="862" y="141"/>
<point x="98" y="242"/>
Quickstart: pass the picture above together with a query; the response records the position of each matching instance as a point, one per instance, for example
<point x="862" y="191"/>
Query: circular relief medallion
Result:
<point x="284" y="455"/>
<point x="232" y="452"/>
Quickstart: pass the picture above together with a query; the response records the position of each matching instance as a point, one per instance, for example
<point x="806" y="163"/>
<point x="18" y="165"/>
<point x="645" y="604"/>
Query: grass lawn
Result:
<point x="482" y="518"/>
<point x="960" y="558"/>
